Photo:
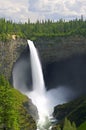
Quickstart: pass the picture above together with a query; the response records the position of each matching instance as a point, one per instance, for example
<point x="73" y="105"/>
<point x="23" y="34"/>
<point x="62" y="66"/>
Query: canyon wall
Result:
<point x="51" y="49"/>
<point x="9" y="53"/>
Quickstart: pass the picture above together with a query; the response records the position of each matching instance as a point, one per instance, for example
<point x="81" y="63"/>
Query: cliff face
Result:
<point x="64" y="60"/>
<point x="57" y="55"/>
<point x="9" y="53"/>
<point x="57" y="48"/>
<point x="50" y="50"/>
<point x="74" y="111"/>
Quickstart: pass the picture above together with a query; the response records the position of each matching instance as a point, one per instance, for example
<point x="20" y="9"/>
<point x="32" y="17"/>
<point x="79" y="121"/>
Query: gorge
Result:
<point x="63" y="66"/>
<point x="49" y="97"/>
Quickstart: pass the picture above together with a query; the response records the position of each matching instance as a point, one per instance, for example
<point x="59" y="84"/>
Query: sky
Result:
<point x="22" y="10"/>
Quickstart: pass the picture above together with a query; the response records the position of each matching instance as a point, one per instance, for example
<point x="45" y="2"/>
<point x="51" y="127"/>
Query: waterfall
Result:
<point x="42" y="99"/>
<point x="38" y="95"/>
<point x="37" y="75"/>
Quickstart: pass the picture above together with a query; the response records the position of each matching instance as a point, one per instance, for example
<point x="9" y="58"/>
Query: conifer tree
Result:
<point x="68" y="125"/>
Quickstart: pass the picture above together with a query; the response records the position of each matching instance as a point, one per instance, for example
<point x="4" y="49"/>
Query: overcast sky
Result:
<point x="21" y="10"/>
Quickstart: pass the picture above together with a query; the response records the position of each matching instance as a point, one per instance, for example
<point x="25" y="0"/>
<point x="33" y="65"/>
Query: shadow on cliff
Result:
<point x="69" y="73"/>
<point x="21" y="74"/>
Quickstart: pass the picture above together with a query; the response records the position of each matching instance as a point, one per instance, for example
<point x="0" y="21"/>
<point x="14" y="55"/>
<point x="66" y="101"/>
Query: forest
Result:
<point x="42" y="28"/>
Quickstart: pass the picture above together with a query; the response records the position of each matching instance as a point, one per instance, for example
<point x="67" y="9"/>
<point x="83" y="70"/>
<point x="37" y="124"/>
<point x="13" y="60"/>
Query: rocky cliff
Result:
<point x="9" y="53"/>
<point x="56" y="48"/>
<point x="51" y="49"/>
<point x="74" y="111"/>
<point x="56" y="51"/>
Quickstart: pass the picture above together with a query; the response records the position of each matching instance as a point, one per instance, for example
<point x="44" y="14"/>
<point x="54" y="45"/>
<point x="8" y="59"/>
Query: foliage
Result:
<point x="8" y="113"/>
<point x="25" y="120"/>
<point x="68" y="125"/>
<point x="74" y="111"/>
<point x="43" y="28"/>
<point x="82" y="126"/>
<point x="13" y="114"/>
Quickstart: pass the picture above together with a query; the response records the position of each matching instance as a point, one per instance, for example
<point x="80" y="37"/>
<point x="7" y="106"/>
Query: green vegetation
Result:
<point x="13" y="114"/>
<point x="67" y="126"/>
<point x="82" y="126"/>
<point x="74" y="111"/>
<point x="8" y="113"/>
<point x="70" y="126"/>
<point x="41" y="29"/>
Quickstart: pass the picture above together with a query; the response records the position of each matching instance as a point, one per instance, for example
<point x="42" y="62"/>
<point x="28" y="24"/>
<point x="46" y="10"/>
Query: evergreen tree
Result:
<point x="68" y="125"/>
<point x="42" y="28"/>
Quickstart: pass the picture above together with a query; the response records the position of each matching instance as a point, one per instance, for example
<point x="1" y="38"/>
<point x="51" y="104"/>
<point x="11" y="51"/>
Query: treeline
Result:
<point x="43" y="28"/>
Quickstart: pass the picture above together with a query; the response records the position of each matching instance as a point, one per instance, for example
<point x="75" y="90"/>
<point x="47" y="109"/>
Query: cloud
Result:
<point x="58" y="8"/>
<point x="75" y="5"/>
<point x="21" y="10"/>
<point x="14" y="9"/>
<point x="18" y="11"/>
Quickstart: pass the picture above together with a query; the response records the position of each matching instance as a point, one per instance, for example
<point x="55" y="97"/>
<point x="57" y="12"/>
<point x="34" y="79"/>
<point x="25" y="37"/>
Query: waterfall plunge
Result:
<point x="44" y="100"/>
<point x="38" y="95"/>
<point x="37" y="75"/>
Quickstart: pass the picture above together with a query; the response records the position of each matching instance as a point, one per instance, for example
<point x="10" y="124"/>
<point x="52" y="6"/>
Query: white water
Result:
<point x="44" y="100"/>
<point x="38" y="95"/>
<point x="37" y="75"/>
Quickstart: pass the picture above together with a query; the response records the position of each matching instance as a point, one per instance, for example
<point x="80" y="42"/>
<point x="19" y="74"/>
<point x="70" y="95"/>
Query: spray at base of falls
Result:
<point x="38" y="95"/>
<point x="42" y="99"/>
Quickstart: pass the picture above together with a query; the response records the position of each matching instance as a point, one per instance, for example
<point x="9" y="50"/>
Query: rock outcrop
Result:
<point x="9" y="53"/>
<point x="74" y="111"/>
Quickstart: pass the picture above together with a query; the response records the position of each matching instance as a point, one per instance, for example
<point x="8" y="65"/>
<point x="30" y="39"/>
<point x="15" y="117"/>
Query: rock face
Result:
<point x="74" y="111"/>
<point x="63" y="59"/>
<point x="57" y="48"/>
<point x="9" y="53"/>
<point x="54" y="51"/>
<point x="50" y="50"/>
<point x="32" y="110"/>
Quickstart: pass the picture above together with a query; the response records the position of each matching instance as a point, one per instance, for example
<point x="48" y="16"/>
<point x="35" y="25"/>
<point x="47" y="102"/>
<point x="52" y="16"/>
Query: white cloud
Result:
<point x="14" y="9"/>
<point x="21" y="10"/>
<point x="17" y="10"/>
<point x="58" y="8"/>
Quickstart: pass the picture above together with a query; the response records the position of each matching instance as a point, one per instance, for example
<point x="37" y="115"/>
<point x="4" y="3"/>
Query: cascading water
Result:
<point x="38" y="95"/>
<point x="42" y="99"/>
<point x="37" y="74"/>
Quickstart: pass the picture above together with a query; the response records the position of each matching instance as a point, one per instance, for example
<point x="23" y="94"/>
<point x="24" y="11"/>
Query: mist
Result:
<point x="69" y="73"/>
<point x="63" y="82"/>
<point x="21" y="73"/>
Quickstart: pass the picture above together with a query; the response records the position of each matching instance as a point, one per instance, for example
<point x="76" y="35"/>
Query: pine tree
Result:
<point x="68" y="125"/>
